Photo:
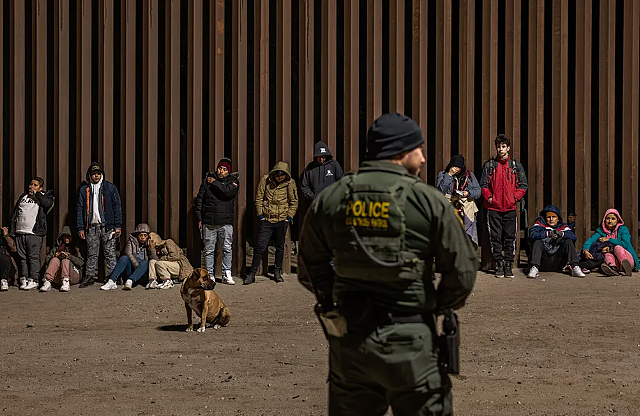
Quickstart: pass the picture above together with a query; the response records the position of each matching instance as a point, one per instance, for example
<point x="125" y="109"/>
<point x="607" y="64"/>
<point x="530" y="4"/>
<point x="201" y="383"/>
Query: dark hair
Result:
<point x="572" y="214"/>
<point x="39" y="180"/>
<point x="502" y="139"/>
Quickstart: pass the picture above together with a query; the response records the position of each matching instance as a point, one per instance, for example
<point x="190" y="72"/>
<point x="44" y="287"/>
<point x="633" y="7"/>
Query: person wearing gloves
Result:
<point x="135" y="262"/>
<point x="64" y="263"/>
<point x="321" y="172"/>
<point x="214" y="206"/>
<point x="552" y="244"/>
<point x="276" y="204"/>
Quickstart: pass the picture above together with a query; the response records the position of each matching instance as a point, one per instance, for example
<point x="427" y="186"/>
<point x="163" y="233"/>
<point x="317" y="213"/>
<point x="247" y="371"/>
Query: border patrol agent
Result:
<point x="382" y="228"/>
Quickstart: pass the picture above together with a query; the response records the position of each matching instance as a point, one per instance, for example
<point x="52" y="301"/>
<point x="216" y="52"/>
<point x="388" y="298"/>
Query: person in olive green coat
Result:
<point x="384" y="229"/>
<point x="276" y="204"/>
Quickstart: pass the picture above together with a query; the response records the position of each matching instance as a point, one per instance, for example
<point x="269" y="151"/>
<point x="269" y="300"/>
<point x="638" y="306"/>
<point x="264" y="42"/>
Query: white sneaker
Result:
<point x="533" y="272"/>
<point x="66" y="285"/>
<point x="4" y="285"/>
<point x="23" y="283"/>
<point x="167" y="284"/>
<point x="31" y="284"/>
<point x="226" y="278"/>
<point x="128" y="285"/>
<point x="152" y="284"/>
<point x="46" y="286"/>
<point x="576" y="271"/>
<point x="110" y="285"/>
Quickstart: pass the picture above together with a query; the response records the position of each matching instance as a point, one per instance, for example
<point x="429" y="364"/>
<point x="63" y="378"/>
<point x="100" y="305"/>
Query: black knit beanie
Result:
<point x="391" y="135"/>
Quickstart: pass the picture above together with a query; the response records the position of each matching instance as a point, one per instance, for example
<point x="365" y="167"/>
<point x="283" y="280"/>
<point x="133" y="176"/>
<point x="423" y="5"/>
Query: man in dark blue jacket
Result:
<point x="552" y="244"/>
<point x="99" y="220"/>
<point x="321" y="172"/>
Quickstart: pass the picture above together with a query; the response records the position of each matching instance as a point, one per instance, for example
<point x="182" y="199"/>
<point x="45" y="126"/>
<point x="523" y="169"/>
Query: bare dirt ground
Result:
<point x="558" y="346"/>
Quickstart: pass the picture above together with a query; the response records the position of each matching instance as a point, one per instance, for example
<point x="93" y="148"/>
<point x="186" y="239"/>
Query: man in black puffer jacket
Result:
<point x="214" y="209"/>
<point x="323" y="171"/>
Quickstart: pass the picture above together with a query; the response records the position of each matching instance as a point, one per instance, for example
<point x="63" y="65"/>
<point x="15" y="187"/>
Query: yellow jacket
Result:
<point x="277" y="201"/>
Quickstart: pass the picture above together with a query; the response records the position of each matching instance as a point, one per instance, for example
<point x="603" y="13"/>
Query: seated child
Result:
<point x="64" y="263"/>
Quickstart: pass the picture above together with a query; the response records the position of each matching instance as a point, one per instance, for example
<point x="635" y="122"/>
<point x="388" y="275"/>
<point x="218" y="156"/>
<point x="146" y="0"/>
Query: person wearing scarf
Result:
<point x="623" y="258"/>
<point x="459" y="184"/>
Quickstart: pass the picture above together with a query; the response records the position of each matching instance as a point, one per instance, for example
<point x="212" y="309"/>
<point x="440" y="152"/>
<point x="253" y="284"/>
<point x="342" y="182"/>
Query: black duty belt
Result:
<point x="396" y="318"/>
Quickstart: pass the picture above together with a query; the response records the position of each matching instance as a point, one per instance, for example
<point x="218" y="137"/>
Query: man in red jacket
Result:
<point x="503" y="183"/>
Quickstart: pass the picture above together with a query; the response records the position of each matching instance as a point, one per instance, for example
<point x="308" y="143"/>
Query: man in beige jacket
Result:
<point x="171" y="262"/>
<point x="276" y="204"/>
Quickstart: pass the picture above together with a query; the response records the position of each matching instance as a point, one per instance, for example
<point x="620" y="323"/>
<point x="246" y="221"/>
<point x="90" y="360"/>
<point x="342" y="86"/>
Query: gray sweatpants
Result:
<point x="29" y="246"/>
<point x="94" y="236"/>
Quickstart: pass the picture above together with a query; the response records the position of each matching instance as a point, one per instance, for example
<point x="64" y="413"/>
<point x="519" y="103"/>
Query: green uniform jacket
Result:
<point x="434" y="232"/>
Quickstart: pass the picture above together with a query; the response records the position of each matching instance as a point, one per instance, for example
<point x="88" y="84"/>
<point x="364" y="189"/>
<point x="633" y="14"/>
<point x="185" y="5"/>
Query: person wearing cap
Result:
<point x="99" y="221"/>
<point x="276" y="204"/>
<point x="384" y="228"/>
<point x="320" y="173"/>
<point x="138" y="253"/>
<point x="459" y="184"/>
<point x="214" y="206"/>
<point x="503" y="184"/>
<point x="63" y="263"/>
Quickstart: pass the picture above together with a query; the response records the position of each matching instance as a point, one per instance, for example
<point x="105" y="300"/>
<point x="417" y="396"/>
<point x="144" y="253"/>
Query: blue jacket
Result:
<point x="624" y="240"/>
<point x="542" y="231"/>
<point x="110" y="208"/>
<point x="446" y="185"/>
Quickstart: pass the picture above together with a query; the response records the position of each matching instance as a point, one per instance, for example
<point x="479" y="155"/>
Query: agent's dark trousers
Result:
<point x="7" y="271"/>
<point x="502" y="234"/>
<point x="553" y="262"/>
<point x="279" y="229"/>
<point x="29" y="246"/>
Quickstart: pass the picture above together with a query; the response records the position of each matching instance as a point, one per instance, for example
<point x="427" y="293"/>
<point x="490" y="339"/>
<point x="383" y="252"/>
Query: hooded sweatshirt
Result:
<point x="75" y="256"/>
<point x="541" y="230"/>
<point x="101" y="200"/>
<point x="619" y="236"/>
<point x="275" y="201"/>
<point x="317" y="176"/>
<point x="168" y="250"/>
<point x="134" y="251"/>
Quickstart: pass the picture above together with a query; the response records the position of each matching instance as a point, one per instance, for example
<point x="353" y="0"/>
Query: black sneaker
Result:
<point x="626" y="266"/>
<point x="500" y="269"/>
<point x="277" y="276"/>
<point x="87" y="282"/>
<point x="251" y="278"/>
<point x="508" y="273"/>
<point x="608" y="270"/>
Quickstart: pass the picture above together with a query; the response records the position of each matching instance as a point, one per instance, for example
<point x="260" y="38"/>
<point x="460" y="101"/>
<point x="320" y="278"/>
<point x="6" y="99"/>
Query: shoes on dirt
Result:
<point x="23" y="283"/>
<point x="586" y="271"/>
<point x="31" y="284"/>
<point x="508" y="272"/>
<point x="128" y="285"/>
<point x="626" y="266"/>
<point x="251" y="278"/>
<point x="46" y="286"/>
<point x="87" y="282"/>
<point x="533" y="272"/>
<point x="110" y="285"/>
<point x="226" y="278"/>
<point x="500" y="269"/>
<point x="576" y="271"/>
<point x="167" y="284"/>
<point x="66" y="285"/>
<point x="277" y="276"/>
<point x="153" y="284"/>
<point x="4" y="285"/>
<point x="608" y="270"/>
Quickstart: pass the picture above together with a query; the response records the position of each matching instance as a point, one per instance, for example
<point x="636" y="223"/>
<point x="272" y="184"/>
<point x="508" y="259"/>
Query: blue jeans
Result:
<point x="124" y="265"/>
<point x="211" y="235"/>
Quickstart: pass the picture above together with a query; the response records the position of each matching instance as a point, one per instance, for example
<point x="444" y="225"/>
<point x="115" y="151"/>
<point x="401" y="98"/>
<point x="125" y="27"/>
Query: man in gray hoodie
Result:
<point x="323" y="171"/>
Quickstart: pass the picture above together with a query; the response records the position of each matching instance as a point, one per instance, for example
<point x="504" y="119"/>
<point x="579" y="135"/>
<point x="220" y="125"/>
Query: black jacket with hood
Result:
<point x="110" y="207"/>
<point x="215" y="201"/>
<point x="318" y="176"/>
<point x="46" y="201"/>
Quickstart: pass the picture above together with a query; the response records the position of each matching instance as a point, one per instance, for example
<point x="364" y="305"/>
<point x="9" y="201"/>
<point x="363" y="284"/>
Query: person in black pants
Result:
<point x="503" y="184"/>
<point x="7" y="264"/>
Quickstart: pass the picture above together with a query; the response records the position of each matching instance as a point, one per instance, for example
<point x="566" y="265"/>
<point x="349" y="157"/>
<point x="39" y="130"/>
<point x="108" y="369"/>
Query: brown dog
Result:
<point x="198" y="295"/>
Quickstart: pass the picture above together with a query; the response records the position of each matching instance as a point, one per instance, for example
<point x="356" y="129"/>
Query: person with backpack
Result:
<point x="503" y="184"/>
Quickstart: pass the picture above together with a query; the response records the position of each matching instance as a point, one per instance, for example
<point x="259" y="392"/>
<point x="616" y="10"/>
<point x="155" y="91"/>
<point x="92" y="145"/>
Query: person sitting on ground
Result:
<point x="597" y="251"/>
<point x="619" y="259"/>
<point x="170" y="262"/>
<point x="8" y="267"/>
<point x="459" y="184"/>
<point x="552" y="244"/>
<point x="135" y="262"/>
<point x="571" y="220"/>
<point x="64" y="263"/>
